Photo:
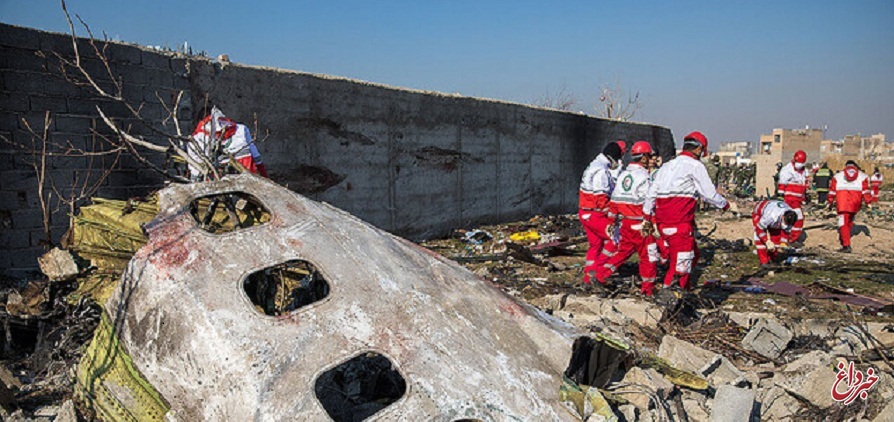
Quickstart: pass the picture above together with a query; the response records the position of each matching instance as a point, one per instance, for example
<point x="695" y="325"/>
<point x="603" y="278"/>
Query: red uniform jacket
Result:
<point x="849" y="189"/>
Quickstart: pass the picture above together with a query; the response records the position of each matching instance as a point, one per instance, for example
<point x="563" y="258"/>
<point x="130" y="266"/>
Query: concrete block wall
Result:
<point x="32" y="84"/>
<point x="418" y="164"/>
<point x="415" y="163"/>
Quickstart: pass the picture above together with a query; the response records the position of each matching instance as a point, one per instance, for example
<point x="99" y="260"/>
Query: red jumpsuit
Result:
<point x="793" y="186"/>
<point x="848" y="190"/>
<point x="627" y="204"/>
<point x="875" y="183"/>
<point x="596" y="188"/>
<point x="235" y="140"/>
<point x="768" y="224"/>
<point x="672" y="199"/>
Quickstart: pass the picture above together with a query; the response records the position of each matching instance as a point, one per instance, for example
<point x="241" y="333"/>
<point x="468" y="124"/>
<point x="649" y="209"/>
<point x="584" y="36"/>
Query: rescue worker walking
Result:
<point x="875" y="184"/>
<point x="596" y="188"/>
<point x="672" y="199"/>
<point x="627" y="205"/>
<point x="848" y="190"/>
<point x="821" y="182"/>
<point x="793" y="187"/>
<point x="771" y="219"/>
<point x="219" y="139"/>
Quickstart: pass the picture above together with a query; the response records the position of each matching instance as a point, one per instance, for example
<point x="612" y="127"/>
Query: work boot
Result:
<point x="845" y="249"/>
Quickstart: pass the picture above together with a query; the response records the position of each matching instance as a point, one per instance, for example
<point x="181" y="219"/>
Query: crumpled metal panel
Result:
<point x="465" y="349"/>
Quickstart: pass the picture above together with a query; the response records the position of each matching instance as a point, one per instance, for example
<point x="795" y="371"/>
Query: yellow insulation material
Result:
<point x="108" y="233"/>
<point x="108" y="382"/>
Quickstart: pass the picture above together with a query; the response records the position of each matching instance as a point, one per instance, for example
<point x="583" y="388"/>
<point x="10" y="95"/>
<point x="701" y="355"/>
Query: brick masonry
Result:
<point x="414" y="163"/>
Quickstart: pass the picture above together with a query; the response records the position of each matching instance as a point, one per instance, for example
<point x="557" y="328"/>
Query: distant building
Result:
<point x="779" y="147"/>
<point x="735" y="152"/>
<point x="857" y="147"/>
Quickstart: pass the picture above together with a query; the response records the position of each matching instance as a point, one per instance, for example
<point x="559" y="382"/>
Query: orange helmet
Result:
<point x="800" y="157"/>
<point x="640" y="148"/>
<point x="696" y="138"/>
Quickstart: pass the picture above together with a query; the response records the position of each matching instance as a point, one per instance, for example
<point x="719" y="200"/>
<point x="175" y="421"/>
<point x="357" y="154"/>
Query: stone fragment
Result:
<point x="732" y="404"/>
<point x="886" y="415"/>
<point x="58" y="265"/>
<point x="778" y="405"/>
<point x="641" y="312"/>
<point x="810" y="378"/>
<point x="721" y="371"/>
<point x="628" y="411"/>
<point x="768" y="338"/>
<point x="67" y="412"/>
<point x="747" y="319"/>
<point x="649" y="379"/>
<point x="694" y="410"/>
<point x="684" y="355"/>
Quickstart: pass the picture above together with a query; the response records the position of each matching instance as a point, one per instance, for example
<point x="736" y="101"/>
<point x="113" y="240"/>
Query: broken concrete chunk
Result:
<point x="58" y="265"/>
<point x="747" y="319"/>
<point x="67" y="412"/>
<point x="695" y="411"/>
<point x="732" y="404"/>
<point x="768" y="338"/>
<point x="684" y="355"/>
<point x="648" y="379"/>
<point x="642" y="312"/>
<point x="721" y="371"/>
<point x="809" y="378"/>
<point x="778" y="405"/>
<point x="886" y="415"/>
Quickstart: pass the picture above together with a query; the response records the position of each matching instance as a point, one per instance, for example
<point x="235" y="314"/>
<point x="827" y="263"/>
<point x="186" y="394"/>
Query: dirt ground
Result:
<point x="728" y="261"/>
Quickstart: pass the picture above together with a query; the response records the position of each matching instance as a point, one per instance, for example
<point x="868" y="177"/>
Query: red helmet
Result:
<point x="697" y="138"/>
<point x="800" y="157"/>
<point x="640" y="148"/>
<point x="623" y="146"/>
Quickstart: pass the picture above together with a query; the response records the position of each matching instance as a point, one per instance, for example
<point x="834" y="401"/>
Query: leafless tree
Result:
<point x="562" y="100"/>
<point x="616" y="102"/>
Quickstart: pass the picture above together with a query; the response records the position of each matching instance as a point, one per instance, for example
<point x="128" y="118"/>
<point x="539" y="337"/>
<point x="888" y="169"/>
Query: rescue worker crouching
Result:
<point x="772" y="219"/>
<point x="672" y="199"/>
<point x="636" y="227"/>
<point x="848" y="190"/>
<point x="596" y="188"/>
<point x="793" y="187"/>
<point x="218" y="138"/>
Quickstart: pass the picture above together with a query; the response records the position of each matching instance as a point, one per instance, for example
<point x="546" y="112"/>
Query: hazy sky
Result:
<point x="732" y="69"/>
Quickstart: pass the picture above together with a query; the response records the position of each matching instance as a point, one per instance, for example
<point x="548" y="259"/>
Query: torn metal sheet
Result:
<point x="465" y="349"/>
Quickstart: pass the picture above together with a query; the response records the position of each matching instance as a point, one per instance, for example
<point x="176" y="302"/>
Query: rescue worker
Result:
<point x="713" y="167"/>
<point x="776" y="192"/>
<point x="218" y="138"/>
<point x="875" y="184"/>
<point x="793" y="187"/>
<point x="596" y="188"/>
<point x="771" y="218"/>
<point x="848" y="190"/>
<point x="672" y="199"/>
<point x="627" y="205"/>
<point x="821" y="183"/>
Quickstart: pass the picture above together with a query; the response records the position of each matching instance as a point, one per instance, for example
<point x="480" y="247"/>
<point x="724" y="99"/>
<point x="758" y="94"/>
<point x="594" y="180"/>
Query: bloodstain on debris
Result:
<point x="168" y="245"/>
<point x="513" y="309"/>
<point x="289" y="318"/>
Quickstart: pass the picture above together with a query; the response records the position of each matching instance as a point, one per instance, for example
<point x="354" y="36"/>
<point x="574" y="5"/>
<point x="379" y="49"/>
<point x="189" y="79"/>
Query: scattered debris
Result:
<point x="732" y="404"/>
<point x="768" y="337"/>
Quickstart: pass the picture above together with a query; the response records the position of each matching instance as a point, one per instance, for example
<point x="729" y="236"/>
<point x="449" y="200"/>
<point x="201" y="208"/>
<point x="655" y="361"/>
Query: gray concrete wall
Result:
<point x="415" y="163"/>
<point x="418" y="164"/>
